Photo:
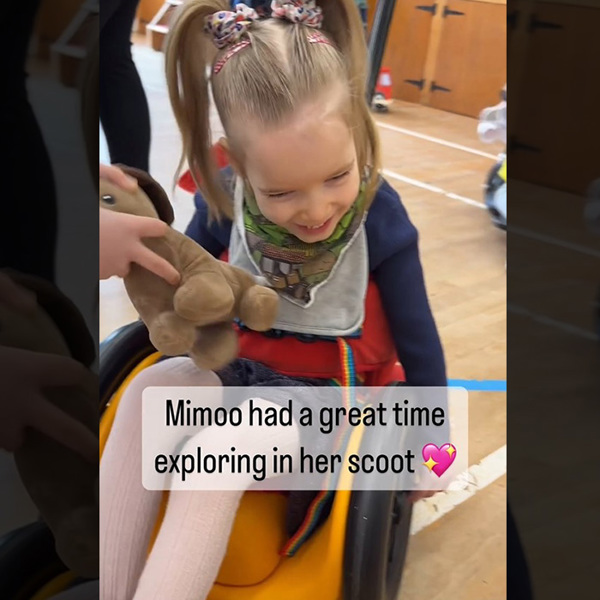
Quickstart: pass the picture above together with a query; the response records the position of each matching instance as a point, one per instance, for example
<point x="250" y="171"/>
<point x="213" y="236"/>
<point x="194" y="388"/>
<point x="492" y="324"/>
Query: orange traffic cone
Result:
<point x="383" y="90"/>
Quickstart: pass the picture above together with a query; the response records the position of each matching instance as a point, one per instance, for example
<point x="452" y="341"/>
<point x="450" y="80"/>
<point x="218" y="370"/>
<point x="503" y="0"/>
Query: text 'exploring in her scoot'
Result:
<point x="304" y="438"/>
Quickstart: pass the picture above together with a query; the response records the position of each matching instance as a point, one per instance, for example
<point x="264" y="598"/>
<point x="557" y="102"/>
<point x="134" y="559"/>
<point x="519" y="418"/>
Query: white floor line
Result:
<point x="565" y="327"/>
<point x="539" y="237"/>
<point x="465" y="200"/>
<point x="478" y="477"/>
<point x="435" y="140"/>
<point x="517" y="230"/>
<point x="431" y="188"/>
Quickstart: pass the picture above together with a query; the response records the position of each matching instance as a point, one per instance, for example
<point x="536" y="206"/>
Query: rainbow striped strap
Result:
<point x="311" y="520"/>
<point x="348" y="372"/>
<point x="315" y="510"/>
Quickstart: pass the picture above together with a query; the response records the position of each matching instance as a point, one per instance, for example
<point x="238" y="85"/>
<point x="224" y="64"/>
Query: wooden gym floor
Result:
<point x="438" y="165"/>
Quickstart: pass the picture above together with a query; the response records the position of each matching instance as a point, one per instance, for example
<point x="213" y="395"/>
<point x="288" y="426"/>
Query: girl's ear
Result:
<point x="225" y="149"/>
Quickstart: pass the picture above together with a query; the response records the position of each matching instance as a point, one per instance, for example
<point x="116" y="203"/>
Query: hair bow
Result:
<point x="227" y="27"/>
<point x="298" y="11"/>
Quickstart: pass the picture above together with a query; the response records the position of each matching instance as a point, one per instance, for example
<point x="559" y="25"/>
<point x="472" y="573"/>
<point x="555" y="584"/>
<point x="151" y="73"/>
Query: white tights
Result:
<point x="192" y="541"/>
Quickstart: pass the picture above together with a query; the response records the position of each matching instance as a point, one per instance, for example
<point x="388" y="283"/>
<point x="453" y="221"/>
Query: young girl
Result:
<point x="311" y="215"/>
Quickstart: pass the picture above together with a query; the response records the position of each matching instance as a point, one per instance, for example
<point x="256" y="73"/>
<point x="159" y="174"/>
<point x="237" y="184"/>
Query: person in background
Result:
<point x="124" y="111"/>
<point x="363" y="8"/>
<point x="27" y="244"/>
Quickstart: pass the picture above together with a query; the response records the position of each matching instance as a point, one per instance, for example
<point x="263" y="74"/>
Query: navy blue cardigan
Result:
<point x="396" y="268"/>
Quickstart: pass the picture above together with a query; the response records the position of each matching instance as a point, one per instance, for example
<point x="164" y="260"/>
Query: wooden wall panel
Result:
<point x="406" y="48"/>
<point x="146" y="11"/>
<point x="557" y="117"/>
<point x="471" y="60"/>
<point x="464" y="53"/>
<point x="52" y="19"/>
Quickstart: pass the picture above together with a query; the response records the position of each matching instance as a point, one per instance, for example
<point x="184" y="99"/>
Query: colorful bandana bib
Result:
<point x="292" y="267"/>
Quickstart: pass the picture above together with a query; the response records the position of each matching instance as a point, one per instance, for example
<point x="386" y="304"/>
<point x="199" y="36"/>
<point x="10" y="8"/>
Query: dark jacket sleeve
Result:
<point x="213" y="236"/>
<point x="396" y="267"/>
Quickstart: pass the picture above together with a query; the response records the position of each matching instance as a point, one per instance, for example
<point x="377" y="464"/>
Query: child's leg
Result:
<point x="127" y="510"/>
<point x="193" y="539"/>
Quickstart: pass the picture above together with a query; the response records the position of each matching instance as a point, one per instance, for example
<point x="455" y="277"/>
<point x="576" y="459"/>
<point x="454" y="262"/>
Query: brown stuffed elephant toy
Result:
<point x="195" y="318"/>
<point x="62" y="485"/>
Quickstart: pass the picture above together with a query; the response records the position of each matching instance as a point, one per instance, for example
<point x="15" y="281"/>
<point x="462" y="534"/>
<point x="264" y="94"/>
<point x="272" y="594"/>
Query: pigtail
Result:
<point x="188" y="56"/>
<point x="344" y="27"/>
<point x="342" y="24"/>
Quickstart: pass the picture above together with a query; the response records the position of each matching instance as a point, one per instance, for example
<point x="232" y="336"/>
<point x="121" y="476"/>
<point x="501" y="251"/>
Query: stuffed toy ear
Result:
<point x="63" y="312"/>
<point x="154" y="191"/>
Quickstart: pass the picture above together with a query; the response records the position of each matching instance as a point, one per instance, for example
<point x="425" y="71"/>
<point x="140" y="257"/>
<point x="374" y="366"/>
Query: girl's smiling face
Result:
<point x="305" y="174"/>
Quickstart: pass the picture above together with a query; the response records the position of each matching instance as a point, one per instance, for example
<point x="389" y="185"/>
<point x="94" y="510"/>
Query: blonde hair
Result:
<point x="268" y="80"/>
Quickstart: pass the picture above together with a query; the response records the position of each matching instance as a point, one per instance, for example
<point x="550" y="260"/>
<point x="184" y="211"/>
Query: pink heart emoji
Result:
<point x="438" y="459"/>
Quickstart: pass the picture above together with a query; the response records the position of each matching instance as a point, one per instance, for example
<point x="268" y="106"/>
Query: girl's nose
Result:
<point x="315" y="211"/>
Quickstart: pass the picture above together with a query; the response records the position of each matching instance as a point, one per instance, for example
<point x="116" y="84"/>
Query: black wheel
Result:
<point x="399" y="533"/>
<point x="377" y="536"/>
<point x="28" y="561"/>
<point x="592" y="207"/>
<point x="597" y="314"/>
<point x="519" y="579"/>
<point x="492" y="185"/>
<point x="119" y="354"/>
<point x="379" y="103"/>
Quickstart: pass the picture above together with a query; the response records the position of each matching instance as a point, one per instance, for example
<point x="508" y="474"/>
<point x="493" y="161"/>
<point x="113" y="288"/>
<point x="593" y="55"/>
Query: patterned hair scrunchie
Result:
<point x="298" y="11"/>
<point x="227" y="27"/>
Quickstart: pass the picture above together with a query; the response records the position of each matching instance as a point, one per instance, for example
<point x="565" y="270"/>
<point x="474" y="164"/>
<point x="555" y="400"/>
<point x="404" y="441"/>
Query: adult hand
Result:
<point x="121" y="236"/>
<point x="16" y="297"/>
<point x="25" y="376"/>
<point x="121" y="244"/>
<point x="416" y="495"/>
<point x="118" y="177"/>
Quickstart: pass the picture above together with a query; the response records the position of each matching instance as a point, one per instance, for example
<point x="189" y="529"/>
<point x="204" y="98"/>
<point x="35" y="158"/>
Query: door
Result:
<point x="470" y="67"/>
<point x="406" y="48"/>
<point x="555" y="137"/>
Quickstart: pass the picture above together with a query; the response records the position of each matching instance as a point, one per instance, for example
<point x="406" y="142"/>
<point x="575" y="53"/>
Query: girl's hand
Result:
<point x="121" y="237"/>
<point x="416" y="495"/>
<point x="25" y="375"/>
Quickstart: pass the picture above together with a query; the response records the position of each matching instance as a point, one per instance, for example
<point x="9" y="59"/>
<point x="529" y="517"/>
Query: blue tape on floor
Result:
<point x="474" y="385"/>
